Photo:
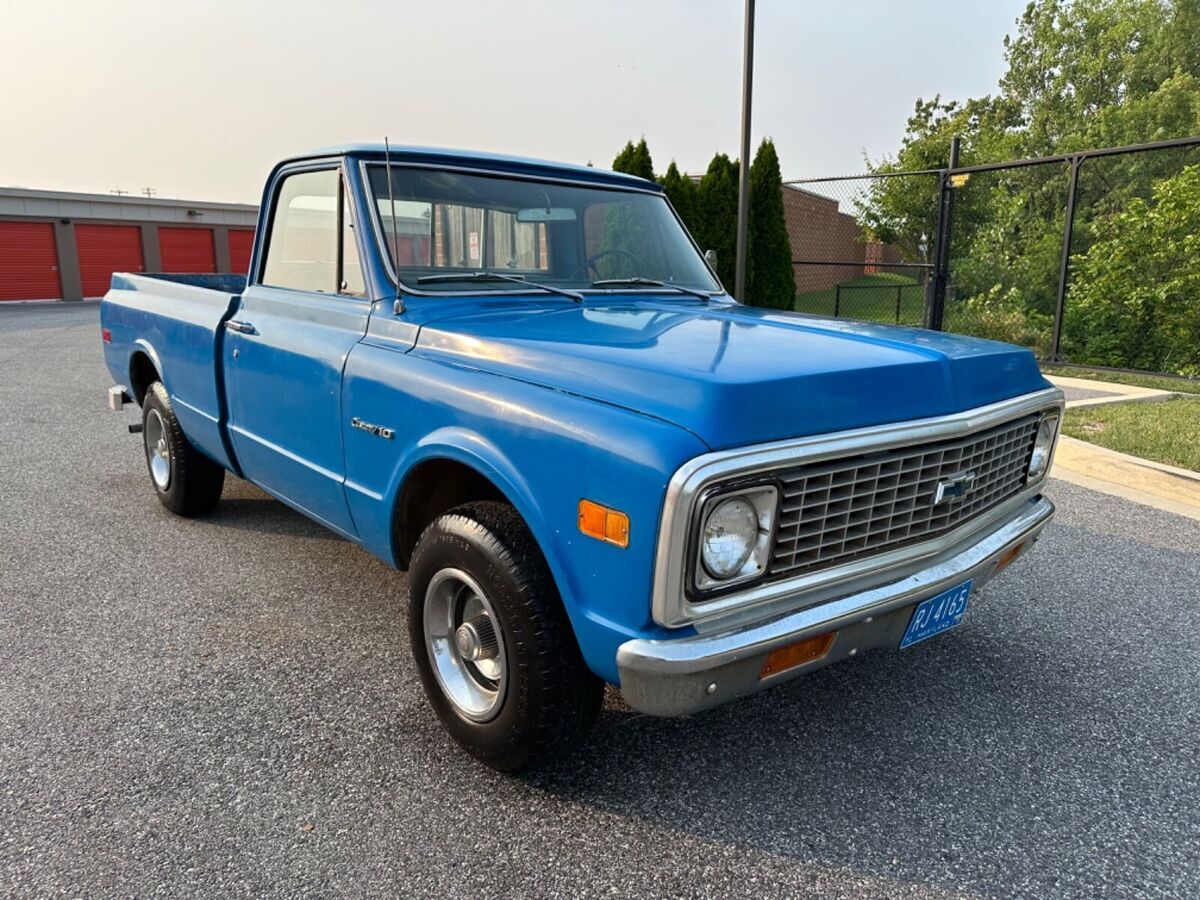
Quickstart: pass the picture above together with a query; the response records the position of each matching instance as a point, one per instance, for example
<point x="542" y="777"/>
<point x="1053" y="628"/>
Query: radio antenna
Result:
<point x="398" y="306"/>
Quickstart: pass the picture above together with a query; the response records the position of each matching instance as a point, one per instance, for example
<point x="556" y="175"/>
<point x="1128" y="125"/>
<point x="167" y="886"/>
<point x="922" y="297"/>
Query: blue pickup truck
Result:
<point x="522" y="383"/>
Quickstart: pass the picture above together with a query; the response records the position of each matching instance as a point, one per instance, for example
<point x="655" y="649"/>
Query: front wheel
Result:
<point x="496" y="653"/>
<point x="187" y="482"/>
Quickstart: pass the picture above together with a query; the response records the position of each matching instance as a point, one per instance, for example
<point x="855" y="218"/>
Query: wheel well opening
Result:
<point x="432" y="488"/>
<point x="142" y="374"/>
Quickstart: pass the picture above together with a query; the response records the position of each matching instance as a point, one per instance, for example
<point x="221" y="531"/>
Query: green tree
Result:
<point x="716" y="214"/>
<point x="625" y="232"/>
<point x="634" y="159"/>
<point x="681" y="191"/>
<point x="903" y="211"/>
<point x="1080" y="74"/>
<point x="770" y="280"/>
<point x="1135" y="293"/>
<point x="1095" y="73"/>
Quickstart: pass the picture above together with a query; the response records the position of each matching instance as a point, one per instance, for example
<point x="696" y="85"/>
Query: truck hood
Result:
<point x="734" y="375"/>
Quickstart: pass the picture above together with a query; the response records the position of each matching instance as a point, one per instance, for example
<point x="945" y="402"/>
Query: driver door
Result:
<point x="286" y="347"/>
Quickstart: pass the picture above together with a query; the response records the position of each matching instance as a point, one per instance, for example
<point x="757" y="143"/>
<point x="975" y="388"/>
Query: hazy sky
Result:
<point x="199" y="99"/>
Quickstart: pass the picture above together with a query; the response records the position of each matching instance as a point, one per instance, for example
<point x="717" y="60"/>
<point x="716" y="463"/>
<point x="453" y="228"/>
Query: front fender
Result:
<point x="544" y="450"/>
<point x="475" y="451"/>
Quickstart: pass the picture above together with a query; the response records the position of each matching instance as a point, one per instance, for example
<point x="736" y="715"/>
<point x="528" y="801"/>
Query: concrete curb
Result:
<point x="1162" y="486"/>
<point x="1118" y="393"/>
<point x="1116" y="490"/>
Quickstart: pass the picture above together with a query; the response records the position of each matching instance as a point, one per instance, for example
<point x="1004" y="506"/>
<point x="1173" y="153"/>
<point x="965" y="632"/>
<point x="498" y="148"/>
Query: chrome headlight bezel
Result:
<point x="765" y="500"/>
<point x="1043" y="447"/>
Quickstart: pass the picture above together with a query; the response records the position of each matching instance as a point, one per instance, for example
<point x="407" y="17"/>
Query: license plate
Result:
<point x="937" y="614"/>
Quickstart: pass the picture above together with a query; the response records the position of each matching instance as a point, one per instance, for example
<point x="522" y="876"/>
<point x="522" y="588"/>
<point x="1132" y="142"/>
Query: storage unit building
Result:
<point x="28" y="261"/>
<point x="104" y="249"/>
<point x="64" y="246"/>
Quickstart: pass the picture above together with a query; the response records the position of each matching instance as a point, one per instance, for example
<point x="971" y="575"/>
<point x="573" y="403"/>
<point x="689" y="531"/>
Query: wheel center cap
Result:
<point x="476" y="639"/>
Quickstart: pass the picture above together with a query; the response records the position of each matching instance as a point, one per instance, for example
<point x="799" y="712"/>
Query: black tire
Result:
<point x="550" y="698"/>
<point x="193" y="482"/>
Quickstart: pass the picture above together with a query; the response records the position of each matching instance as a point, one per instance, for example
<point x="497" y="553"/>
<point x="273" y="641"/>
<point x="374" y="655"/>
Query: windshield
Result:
<point x="568" y="236"/>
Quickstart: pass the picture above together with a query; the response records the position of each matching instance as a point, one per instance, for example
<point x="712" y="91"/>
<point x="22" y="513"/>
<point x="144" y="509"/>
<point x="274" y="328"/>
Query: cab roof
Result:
<point x="497" y="162"/>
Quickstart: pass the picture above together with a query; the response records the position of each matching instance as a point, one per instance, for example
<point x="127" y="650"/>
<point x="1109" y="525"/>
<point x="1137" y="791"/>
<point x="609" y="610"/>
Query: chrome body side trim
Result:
<point x="684" y="675"/>
<point x="670" y="605"/>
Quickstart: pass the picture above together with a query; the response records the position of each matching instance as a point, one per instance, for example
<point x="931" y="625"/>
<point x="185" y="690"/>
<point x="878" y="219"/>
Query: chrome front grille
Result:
<point x="835" y="511"/>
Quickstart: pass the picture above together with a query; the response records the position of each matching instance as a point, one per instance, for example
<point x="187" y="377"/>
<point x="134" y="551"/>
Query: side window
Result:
<point x="516" y="245"/>
<point x="408" y="232"/>
<point x="457" y="236"/>
<point x="303" y="245"/>
<point x="352" y="276"/>
<point x="469" y="237"/>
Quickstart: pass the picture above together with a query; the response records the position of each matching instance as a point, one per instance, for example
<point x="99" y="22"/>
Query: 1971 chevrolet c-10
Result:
<point x="522" y="382"/>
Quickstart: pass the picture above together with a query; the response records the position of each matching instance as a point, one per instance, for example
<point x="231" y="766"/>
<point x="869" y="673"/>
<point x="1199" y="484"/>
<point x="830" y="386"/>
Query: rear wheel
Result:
<point x="496" y="653"/>
<point x="186" y="481"/>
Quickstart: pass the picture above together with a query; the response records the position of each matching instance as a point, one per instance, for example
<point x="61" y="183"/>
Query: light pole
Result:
<point x="743" y="217"/>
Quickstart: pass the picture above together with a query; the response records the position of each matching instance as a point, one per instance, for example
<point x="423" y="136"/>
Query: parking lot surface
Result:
<point x="227" y="707"/>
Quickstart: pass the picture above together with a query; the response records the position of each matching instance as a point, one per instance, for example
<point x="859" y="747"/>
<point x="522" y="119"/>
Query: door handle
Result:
<point x="240" y="327"/>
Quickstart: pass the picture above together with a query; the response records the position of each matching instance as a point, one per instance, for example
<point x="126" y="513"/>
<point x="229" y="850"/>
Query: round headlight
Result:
<point x="730" y="533"/>
<point x="1042" y="446"/>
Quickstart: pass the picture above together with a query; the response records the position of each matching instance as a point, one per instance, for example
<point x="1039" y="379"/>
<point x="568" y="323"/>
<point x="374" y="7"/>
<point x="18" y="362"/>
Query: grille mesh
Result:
<point x="836" y="511"/>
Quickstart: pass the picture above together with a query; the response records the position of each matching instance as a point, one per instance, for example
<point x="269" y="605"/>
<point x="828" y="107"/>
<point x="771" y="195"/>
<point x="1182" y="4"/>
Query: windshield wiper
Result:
<point x="500" y="276"/>
<point x="651" y="282"/>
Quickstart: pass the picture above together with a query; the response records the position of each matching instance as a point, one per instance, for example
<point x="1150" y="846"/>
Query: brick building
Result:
<point x="819" y="231"/>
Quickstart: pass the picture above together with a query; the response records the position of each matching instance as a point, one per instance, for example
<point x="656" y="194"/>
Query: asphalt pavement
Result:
<point x="227" y="707"/>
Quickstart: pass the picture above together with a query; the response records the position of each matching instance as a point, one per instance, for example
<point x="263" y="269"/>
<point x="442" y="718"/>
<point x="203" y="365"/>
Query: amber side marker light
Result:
<point x="604" y="523"/>
<point x="793" y="655"/>
<point x="1008" y="557"/>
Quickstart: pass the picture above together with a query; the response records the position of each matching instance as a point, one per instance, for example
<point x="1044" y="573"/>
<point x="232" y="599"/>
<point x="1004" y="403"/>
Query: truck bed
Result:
<point x="226" y="284"/>
<point x="176" y="322"/>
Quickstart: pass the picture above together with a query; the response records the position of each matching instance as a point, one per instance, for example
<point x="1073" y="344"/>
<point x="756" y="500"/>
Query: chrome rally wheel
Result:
<point x="492" y="640"/>
<point x="186" y="481"/>
<point x="158" y="450"/>
<point x="464" y="644"/>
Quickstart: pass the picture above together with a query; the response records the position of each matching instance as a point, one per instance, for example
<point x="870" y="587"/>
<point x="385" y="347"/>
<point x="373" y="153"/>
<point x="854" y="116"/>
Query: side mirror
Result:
<point x="710" y="257"/>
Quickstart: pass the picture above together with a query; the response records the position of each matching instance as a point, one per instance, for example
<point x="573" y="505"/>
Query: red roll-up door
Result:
<point x="241" y="244"/>
<point x="187" y="250"/>
<point x="28" y="262"/>
<point x="104" y="249"/>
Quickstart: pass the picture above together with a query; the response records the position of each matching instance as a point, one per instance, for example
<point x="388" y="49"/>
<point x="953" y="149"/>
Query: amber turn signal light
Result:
<point x="1008" y="557"/>
<point x="604" y="523"/>
<point x="793" y="655"/>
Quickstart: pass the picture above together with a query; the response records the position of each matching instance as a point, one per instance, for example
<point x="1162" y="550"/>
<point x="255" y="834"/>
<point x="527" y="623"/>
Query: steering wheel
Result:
<point x="615" y="251"/>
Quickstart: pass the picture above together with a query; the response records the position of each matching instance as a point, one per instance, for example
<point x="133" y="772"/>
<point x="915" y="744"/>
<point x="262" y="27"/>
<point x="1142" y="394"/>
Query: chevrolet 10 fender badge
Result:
<point x="378" y="430"/>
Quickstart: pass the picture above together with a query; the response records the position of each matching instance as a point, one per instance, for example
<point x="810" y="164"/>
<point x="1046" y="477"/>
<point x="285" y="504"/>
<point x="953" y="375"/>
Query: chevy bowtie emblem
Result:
<point x="378" y="430"/>
<point x="954" y="487"/>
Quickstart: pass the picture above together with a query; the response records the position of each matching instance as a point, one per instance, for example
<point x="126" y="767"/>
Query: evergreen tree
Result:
<point x="716" y="214"/>
<point x="634" y="159"/>
<point x="681" y="191"/>
<point x="627" y="232"/>
<point x="770" y="280"/>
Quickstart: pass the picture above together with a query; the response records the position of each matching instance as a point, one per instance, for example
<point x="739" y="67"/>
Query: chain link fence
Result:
<point x="1004" y="254"/>
<point x="843" y="265"/>
<point x="1090" y="258"/>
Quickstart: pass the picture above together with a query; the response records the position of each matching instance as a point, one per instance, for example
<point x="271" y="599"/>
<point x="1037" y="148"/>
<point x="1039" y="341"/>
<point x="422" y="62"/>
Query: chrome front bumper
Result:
<point x="686" y="675"/>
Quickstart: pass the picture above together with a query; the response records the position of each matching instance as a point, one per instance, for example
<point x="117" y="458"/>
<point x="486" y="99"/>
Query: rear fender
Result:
<point x="141" y="345"/>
